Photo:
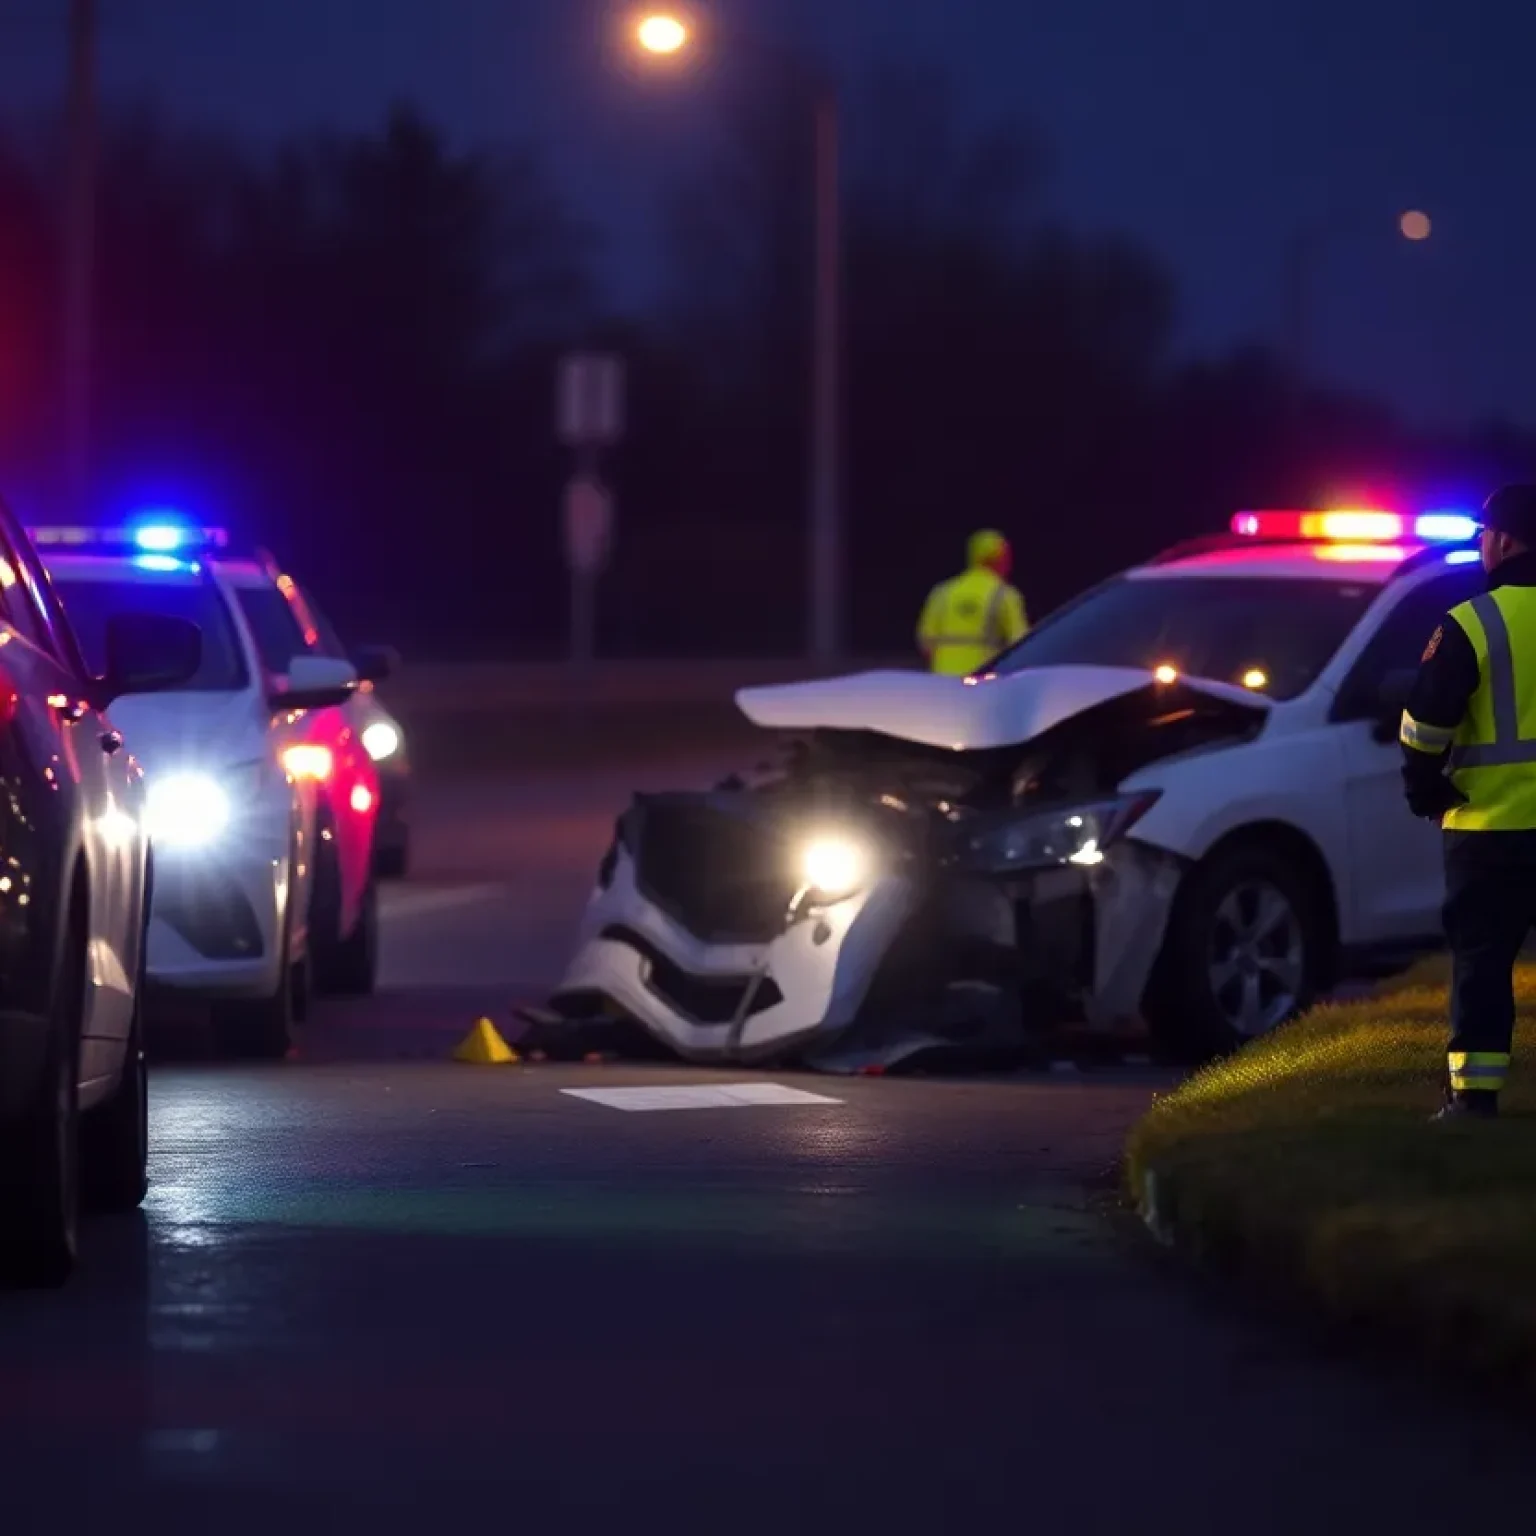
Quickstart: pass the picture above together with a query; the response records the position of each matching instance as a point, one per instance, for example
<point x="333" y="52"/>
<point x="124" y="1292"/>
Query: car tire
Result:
<point x="114" y="1156"/>
<point x="301" y="982"/>
<point x="261" y="1028"/>
<point x="1243" y="954"/>
<point x="40" y="1153"/>
<point x="392" y="863"/>
<point x="352" y="966"/>
<point x="257" y="1028"/>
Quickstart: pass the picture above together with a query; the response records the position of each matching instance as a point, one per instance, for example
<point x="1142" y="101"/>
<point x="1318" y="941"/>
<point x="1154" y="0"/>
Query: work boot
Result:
<point x="1474" y="1104"/>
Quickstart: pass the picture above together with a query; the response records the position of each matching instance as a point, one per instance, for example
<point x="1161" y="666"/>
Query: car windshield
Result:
<point x="1262" y="632"/>
<point x="273" y="625"/>
<point x="90" y="601"/>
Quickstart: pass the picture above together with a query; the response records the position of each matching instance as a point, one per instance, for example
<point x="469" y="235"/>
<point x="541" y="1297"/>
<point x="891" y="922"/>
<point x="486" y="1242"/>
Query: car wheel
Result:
<point x="261" y="1028"/>
<point x="301" y="985"/>
<point x="40" y="1153"/>
<point x="1244" y="953"/>
<point x="392" y="863"/>
<point x="352" y="966"/>
<point x="257" y="1028"/>
<point x="115" y="1149"/>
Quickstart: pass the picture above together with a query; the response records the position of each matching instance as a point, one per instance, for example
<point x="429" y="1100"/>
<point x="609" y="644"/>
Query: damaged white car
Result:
<point x="1175" y="802"/>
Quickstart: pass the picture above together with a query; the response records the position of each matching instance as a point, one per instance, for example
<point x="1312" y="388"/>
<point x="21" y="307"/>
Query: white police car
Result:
<point x="1178" y="799"/>
<point x="231" y="826"/>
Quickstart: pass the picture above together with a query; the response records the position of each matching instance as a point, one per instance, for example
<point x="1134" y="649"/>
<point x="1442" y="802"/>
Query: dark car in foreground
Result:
<point x="75" y="873"/>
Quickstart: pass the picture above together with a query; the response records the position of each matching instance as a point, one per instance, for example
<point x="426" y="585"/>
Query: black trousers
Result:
<point x="1490" y="908"/>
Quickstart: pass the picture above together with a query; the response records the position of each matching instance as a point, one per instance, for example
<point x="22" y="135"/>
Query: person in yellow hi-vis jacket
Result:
<point x="971" y="618"/>
<point x="1469" y="762"/>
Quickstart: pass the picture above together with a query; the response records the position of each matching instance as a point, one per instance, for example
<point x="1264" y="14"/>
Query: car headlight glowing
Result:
<point x="833" y="867"/>
<point x="186" y="810"/>
<point x="381" y="740"/>
<point x="1073" y="834"/>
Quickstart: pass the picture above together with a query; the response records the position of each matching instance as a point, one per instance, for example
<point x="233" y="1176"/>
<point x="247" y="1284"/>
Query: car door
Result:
<point x="107" y="785"/>
<point x="1399" y="876"/>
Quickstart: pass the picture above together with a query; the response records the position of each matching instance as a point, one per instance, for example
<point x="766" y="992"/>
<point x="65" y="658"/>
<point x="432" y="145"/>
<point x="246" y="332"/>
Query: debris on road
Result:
<point x="484" y="1046"/>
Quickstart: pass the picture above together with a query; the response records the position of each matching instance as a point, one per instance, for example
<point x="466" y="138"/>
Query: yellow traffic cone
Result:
<point x="484" y="1047"/>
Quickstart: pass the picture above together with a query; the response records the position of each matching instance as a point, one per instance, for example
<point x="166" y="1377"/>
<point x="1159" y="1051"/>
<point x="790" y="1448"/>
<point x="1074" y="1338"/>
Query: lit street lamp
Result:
<point x="663" y="33"/>
<point x="1310" y="244"/>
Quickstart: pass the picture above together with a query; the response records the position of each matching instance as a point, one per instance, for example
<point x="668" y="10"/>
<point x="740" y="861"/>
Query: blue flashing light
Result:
<point x="1446" y="527"/>
<point x="165" y="563"/>
<point x="160" y="537"/>
<point x="1462" y="557"/>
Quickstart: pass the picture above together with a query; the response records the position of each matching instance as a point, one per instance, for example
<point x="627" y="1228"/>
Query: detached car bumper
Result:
<point x="907" y="963"/>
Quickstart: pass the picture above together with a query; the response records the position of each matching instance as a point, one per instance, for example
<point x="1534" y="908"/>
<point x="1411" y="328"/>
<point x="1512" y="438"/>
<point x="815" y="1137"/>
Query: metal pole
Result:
<point x="583" y="618"/>
<point x="79" y="257"/>
<point x="825" y="523"/>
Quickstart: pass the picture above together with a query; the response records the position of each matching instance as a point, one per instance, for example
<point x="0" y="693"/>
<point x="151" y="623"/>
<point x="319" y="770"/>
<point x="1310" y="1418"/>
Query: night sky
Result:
<point x="1210" y="129"/>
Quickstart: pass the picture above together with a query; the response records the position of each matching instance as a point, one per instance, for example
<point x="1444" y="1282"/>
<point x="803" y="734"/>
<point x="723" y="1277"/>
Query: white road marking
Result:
<point x="699" y="1096"/>
<point x="418" y="903"/>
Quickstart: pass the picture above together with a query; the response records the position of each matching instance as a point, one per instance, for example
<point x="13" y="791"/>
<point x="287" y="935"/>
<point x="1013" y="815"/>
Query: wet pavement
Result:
<point x="373" y="1285"/>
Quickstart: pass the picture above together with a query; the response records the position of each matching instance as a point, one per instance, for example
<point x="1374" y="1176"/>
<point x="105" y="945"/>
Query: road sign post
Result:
<point x="589" y="417"/>
<point x="590" y="400"/>
<point x="588" y="535"/>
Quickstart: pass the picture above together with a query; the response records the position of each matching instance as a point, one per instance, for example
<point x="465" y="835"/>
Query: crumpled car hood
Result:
<point x="962" y="714"/>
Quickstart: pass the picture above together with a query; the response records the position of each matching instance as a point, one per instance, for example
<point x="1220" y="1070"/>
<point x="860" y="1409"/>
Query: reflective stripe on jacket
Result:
<point x="1492" y="758"/>
<point x="968" y="620"/>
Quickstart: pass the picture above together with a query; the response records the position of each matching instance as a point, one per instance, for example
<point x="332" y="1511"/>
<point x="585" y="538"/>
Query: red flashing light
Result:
<point x="1348" y="523"/>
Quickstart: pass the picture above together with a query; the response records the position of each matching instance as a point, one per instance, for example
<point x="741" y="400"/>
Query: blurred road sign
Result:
<point x="588" y="524"/>
<point x="589" y="406"/>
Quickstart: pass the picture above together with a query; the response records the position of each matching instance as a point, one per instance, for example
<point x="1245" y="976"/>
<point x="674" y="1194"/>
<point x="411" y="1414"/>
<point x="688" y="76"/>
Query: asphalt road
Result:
<point x="372" y="1286"/>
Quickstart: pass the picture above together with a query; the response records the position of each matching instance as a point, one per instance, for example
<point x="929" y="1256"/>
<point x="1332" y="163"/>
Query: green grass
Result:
<point x="1308" y="1160"/>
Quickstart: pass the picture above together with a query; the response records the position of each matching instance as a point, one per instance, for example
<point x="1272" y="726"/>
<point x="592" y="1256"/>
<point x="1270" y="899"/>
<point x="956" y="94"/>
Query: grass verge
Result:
<point x="1306" y="1161"/>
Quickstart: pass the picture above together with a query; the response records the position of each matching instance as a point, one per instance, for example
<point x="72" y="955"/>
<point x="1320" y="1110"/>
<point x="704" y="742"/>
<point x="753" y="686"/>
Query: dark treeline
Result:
<point x="345" y="348"/>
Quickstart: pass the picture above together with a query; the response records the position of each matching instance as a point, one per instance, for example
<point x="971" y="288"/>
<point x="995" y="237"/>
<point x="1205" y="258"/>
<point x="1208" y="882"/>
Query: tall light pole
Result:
<point x="663" y="33"/>
<point x="1308" y="247"/>
<point x="79" y="257"/>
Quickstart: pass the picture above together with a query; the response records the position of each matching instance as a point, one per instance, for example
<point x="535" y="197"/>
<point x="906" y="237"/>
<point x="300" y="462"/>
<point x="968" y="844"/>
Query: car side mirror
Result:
<point x="314" y="682"/>
<point x="1391" y="700"/>
<point x="147" y="653"/>
<point x="376" y="662"/>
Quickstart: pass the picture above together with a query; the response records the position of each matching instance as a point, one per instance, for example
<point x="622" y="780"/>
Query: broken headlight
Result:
<point x="1070" y="834"/>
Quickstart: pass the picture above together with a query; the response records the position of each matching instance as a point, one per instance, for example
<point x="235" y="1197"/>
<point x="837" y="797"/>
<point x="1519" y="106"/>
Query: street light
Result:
<point x="661" y="34"/>
<point x="1309" y="245"/>
<point x="666" y="33"/>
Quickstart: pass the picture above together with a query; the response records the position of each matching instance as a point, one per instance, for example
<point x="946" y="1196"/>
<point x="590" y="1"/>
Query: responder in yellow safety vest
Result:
<point x="970" y="618"/>
<point x="1469" y="762"/>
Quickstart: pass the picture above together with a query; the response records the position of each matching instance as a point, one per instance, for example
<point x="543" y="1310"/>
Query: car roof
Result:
<point x="1320" y="561"/>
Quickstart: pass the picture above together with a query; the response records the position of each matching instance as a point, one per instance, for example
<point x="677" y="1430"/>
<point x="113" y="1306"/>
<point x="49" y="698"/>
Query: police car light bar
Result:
<point x="160" y="538"/>
<point x="1358" y="526"/>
